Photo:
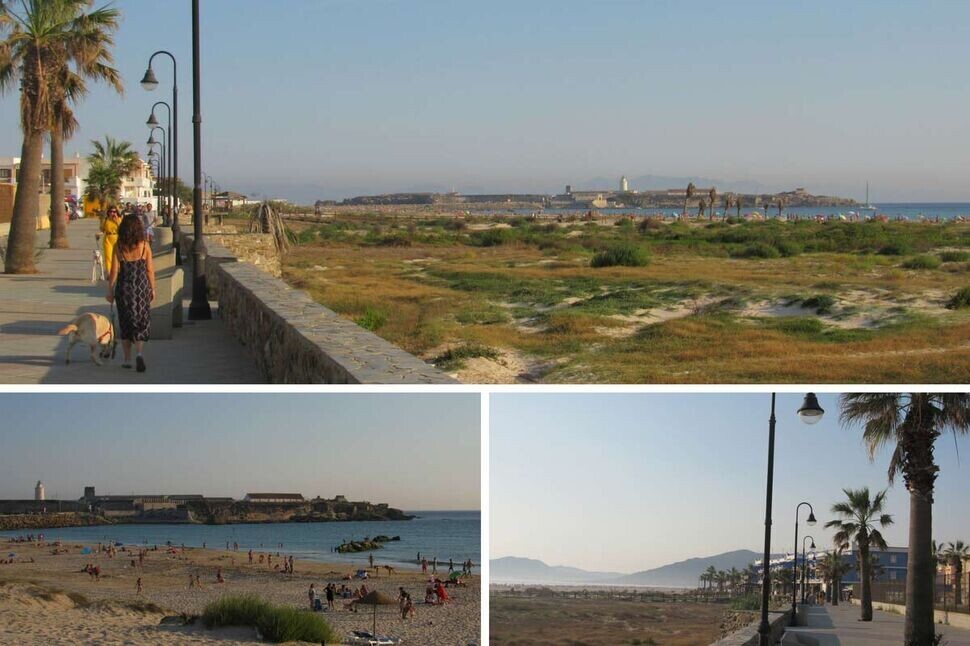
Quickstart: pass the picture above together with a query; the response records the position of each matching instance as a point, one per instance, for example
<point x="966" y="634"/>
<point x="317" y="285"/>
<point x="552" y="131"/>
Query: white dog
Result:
<point x="94" y="331"/>
<point x="97" y="267"/>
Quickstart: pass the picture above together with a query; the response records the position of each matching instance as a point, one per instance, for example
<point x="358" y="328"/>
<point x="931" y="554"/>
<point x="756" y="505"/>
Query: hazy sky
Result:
<point x="329" y="98"/>
<point x="415" y="452"/>
<point x="626" y="482"/>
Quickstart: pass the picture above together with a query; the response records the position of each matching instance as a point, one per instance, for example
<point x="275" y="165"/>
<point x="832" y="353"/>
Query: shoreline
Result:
<point x="165" y="574"/>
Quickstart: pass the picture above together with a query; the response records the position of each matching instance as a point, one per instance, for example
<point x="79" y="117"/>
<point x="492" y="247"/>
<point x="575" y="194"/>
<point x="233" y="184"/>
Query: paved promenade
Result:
<point x="840" y="625"/>
<point x="34" y="307"/>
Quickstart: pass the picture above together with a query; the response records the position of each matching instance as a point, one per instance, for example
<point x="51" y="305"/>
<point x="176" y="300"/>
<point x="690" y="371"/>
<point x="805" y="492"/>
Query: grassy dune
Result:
<point x="508" y="299"/>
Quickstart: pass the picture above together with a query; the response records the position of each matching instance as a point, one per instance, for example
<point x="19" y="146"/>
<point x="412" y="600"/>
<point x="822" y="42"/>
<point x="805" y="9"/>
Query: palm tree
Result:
<point x="859" y="515"/>
<point x="110" y="163"/>
<point x="701" y="207"/>
<point x="37" y="36"/>
<point x="734" y="579"/>
<point x="727" y="204"/>
<point x="91" y="59"/>
<point x="712" y="195"/>
<point x="780" y="204"/>
<point x="737" y="205"/>
<point x="912" y="422"/>
<point x="832" y="567"/>
<point x="691" y="189"/>
<point x="955" y="553"/>
<point x="710" y="574"/>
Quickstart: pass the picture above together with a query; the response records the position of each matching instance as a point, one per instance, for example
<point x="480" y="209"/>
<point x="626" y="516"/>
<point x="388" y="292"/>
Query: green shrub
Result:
<point x="758" y="250"/>
<point x="276" y="623"/>
<point x="372" y="319"/>
<point x="624" y="222"/>
<point x="492" y="237"/>
<point x="747" y="602"/>
<point x="788" y="248"/>
<point x="923" y="262"/>
<point x="955" y="256"/>
<point x="455" y="357"/>
<point x="896" y="248"/>
<point x="626" y="254"/>
<point x="822" y="304"/>
<point x="960" y="300"/>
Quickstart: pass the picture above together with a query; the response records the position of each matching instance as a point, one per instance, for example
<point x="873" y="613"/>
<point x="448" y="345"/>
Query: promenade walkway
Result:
<point x="34" y="307"/>
<point x="840" y="625"/>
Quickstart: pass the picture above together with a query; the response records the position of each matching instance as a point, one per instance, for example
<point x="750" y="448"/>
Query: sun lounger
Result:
<point x="365" y="637"/>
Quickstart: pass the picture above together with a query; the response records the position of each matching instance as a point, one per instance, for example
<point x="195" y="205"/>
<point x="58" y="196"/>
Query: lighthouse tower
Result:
<point x="39" y="491"/>
<point x="624" y="186"/>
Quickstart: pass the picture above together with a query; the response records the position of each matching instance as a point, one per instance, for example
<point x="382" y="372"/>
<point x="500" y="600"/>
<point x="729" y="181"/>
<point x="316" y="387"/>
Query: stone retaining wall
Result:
<point x="48" y="521"/>
<point x="293" y="339"/>
<point x="748" y="636"/>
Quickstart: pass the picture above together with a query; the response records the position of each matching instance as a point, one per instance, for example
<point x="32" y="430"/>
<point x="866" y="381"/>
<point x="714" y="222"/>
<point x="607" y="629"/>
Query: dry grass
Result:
<point x="542" y="301"/>
<point x="577" y="622"/>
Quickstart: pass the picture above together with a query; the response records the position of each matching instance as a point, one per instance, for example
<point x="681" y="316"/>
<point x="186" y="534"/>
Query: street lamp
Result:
<point x="199" y="307"/>
<point x="794" y="566"/>
<point x="805" y="564"/>
<point x="809" y="406"/>
<point x="149" y="82"/>
<point x="170" y="176"/>
<point x="161" y="160"/>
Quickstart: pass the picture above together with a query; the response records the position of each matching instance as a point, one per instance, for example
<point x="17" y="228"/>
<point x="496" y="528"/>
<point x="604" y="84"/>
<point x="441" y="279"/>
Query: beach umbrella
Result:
<point x="377" y="598"/>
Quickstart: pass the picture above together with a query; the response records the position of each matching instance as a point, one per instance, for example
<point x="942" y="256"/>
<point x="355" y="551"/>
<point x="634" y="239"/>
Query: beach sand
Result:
<point x="52" y="601"/>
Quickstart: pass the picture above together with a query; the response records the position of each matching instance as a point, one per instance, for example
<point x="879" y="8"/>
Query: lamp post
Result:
<point x="199" y="307"/>
<point x="810" y="413"/>
<point x="162" y="157"/>
<point x="170" y="176"/>
<point x="149" y="82"/>
<point x="805" y="564"/>
<point x="794" y="566"/>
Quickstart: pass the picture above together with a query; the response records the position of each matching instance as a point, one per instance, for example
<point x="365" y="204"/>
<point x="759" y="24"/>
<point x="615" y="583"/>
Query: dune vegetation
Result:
<point x="506" y="299"/>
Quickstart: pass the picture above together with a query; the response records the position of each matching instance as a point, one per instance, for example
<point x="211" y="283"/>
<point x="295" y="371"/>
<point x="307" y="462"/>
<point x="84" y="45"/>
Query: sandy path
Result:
<point x="165" y="579"/>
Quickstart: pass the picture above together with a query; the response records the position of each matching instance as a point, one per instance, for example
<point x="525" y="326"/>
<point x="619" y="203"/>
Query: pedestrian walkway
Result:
<point x="840" y="625"/>
<point x="34" y="307"/>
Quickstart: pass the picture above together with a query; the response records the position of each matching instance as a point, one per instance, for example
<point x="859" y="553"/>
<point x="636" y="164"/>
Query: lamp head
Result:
<point x="811" y="518"/>
<point x="149" y="82"/>
<point x="813" y="547"/>
<point x="151" y="140"/>
<point x="810" y="412"/>
<point x="152" y="121"/>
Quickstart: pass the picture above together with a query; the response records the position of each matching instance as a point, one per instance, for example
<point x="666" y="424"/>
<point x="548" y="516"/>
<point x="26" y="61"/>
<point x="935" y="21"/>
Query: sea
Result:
<point x="445" y="534"/>
<point x="907" y="210"/>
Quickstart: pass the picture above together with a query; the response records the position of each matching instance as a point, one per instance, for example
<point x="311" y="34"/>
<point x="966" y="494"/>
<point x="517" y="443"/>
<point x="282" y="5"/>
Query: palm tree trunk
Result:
<point x="920" y="574"/>
<point x="866" y="571"/>
<point x="58" y="218"/>
<point x="836" y="591"/>
<point x="23" y="223"/>
<point x="958" y="578"/>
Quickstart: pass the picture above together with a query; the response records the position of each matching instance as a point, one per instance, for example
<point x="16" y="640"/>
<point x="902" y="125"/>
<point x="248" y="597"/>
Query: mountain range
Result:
<point x="682" y="574"/>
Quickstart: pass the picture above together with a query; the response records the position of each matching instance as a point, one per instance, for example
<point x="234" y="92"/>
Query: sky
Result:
<point x="628" y="482"/>
<point x="308" y="99"/>
<point x="414" y="452"/>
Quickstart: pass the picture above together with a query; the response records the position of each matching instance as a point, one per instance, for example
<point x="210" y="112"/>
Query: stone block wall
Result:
<point x="293" y="339"/>
<point x="748" y="636"/>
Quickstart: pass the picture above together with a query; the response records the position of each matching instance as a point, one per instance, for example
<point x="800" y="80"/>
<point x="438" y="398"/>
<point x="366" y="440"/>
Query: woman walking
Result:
<point x="109" y="235"/>
<point x="132" y="285"/>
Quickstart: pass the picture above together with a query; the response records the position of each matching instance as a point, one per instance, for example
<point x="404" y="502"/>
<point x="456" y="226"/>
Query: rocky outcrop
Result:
<point x="12" y="522"/>
<point x="366" y="545"/>
<point x="311" y="511"/>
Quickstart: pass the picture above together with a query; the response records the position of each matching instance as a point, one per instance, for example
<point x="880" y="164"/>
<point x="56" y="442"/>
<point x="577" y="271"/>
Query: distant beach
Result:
<point x="46" y="596"/>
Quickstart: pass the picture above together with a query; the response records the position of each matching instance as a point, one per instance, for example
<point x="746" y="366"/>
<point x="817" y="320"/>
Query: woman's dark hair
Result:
<point x="130" y="232"/>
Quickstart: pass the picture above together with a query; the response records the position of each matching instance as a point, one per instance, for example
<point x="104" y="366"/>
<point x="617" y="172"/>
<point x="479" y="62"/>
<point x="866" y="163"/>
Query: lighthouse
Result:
<point x="624" y="186"/>
<point x="39" y="491"/>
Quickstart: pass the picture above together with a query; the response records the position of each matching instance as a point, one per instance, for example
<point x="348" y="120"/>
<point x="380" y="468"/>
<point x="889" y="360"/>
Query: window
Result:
<point x="6" y="174"/>
<point x="892" y="559"/>
<point x="892" y="574"/>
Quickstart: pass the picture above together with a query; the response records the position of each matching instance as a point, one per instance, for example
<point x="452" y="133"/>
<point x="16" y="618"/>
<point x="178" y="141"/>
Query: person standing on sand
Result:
<point x="434" y="565"/>
<point x="451" y="566"/>
<point x="370" y="559"/>
<point x="312" y="593"/>
<point x="138" y="586"/>
<point x="250" y="556"/>
<point x="330" y="591"/>
<point x="132" y="283"/>
<point x="424" y="566"/>
<point x="191" y="582"/>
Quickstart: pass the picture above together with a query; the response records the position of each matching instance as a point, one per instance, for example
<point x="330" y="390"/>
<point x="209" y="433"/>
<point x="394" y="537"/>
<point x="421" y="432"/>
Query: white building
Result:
<point x="137" y="188"/>
<point x="624" y="185"/>
<point x="39" y="491"/>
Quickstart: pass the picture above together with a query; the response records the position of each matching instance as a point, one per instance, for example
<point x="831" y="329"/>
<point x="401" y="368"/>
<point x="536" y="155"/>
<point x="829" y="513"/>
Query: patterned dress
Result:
<point x="133" y="293"/>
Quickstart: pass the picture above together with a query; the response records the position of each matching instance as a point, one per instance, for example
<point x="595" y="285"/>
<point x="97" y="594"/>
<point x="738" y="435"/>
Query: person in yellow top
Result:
<point x="109" y="237"/>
